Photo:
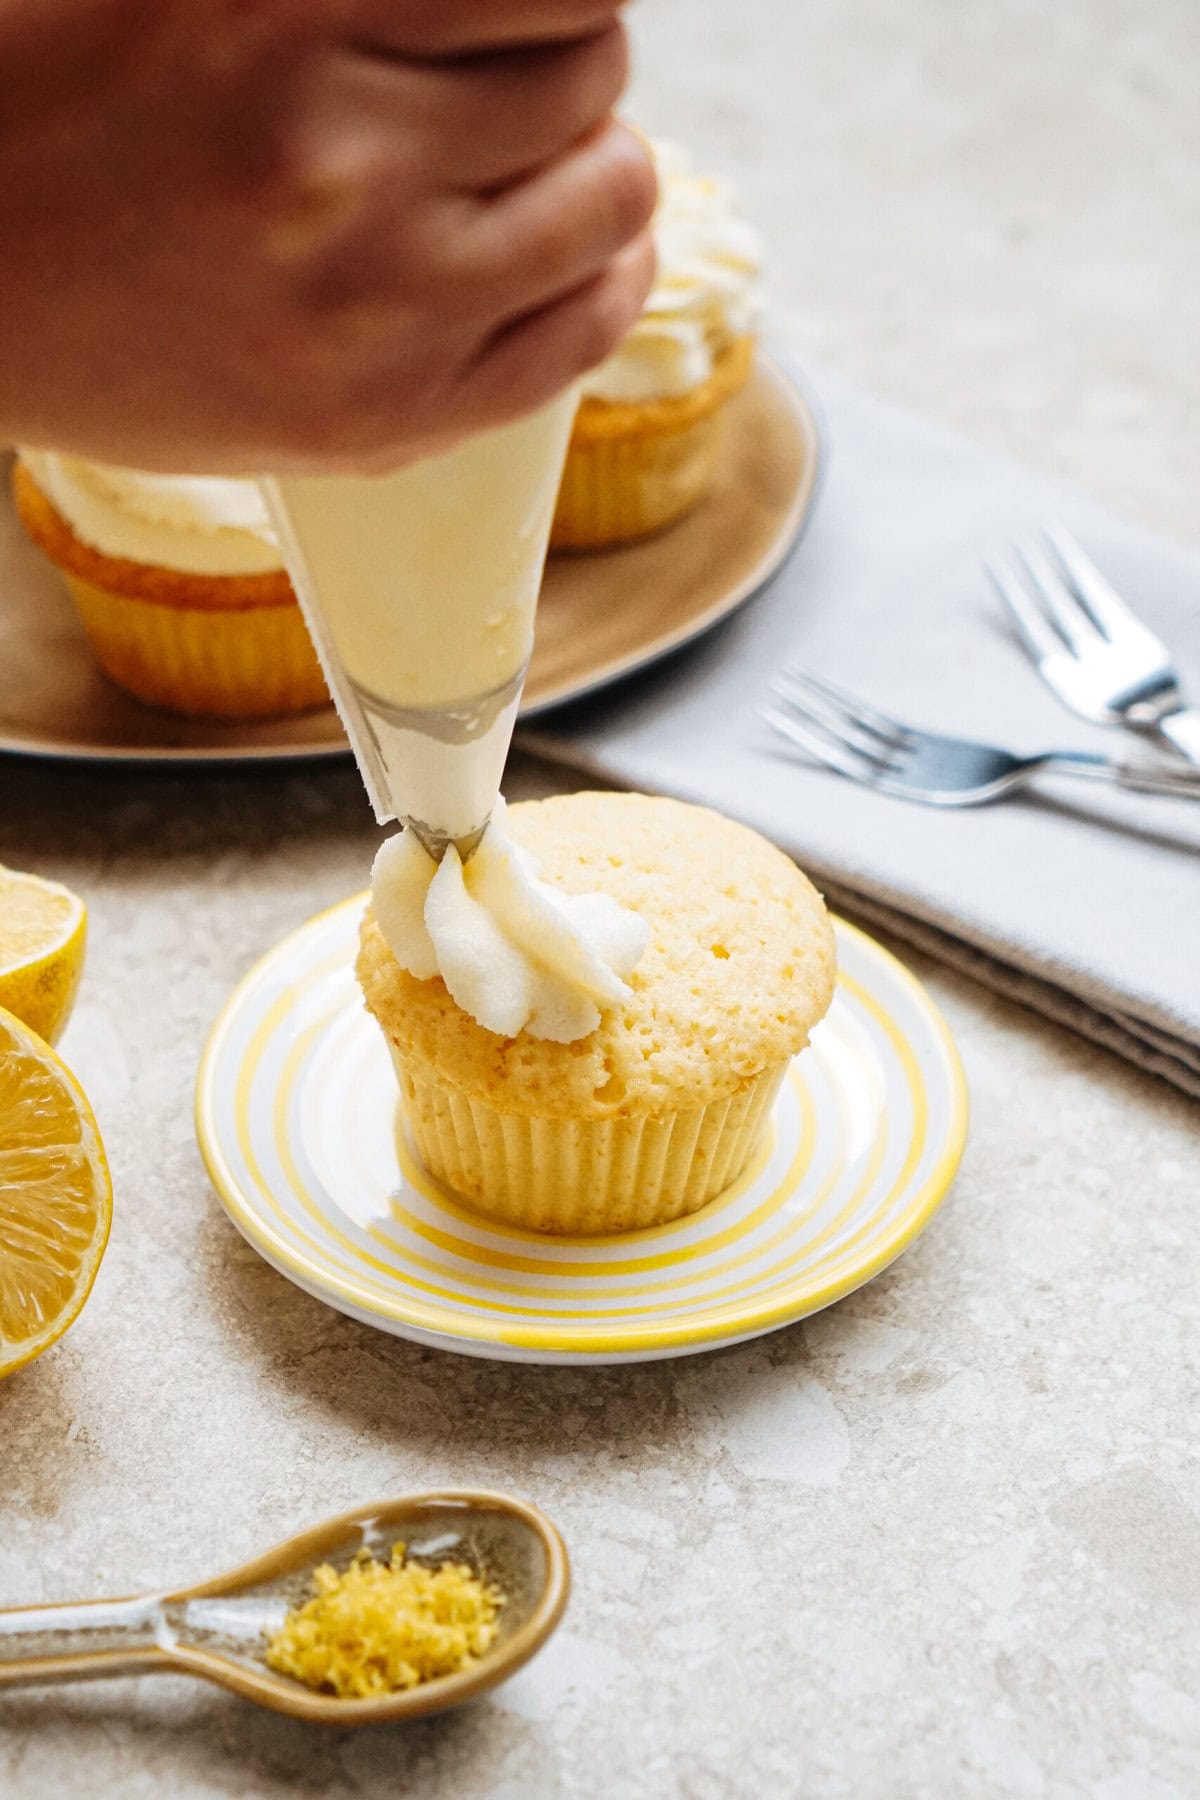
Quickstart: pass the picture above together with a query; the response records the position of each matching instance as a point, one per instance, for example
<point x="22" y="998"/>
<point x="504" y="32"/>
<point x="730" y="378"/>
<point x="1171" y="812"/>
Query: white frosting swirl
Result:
<point x="705" y="296"/>
<point x="514" y="952"/>
<point x="195" y="524"/>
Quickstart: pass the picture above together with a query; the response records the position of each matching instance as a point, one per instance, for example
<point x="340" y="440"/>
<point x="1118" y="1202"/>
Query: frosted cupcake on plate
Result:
<point x="179" y="582"/>
<point x="590" y="1020"/>
<point x="647" y="434"/>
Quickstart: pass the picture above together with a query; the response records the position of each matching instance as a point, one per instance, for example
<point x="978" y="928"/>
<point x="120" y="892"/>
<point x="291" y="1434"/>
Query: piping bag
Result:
<point x="419" y="589"/>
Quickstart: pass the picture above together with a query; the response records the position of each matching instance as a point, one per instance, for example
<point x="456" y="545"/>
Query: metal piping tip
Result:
<point x="438" y="842"/>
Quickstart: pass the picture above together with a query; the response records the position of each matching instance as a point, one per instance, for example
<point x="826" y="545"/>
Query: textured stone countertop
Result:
<point x="941" y="1540"/>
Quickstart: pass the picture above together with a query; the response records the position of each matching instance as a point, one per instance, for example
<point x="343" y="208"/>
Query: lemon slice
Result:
<point x="55" y="1196"/>
<point x="43" y="928"/>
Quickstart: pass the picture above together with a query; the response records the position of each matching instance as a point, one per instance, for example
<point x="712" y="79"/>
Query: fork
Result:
<point x="1089" y="648"/>
<point x="881" y="752"/>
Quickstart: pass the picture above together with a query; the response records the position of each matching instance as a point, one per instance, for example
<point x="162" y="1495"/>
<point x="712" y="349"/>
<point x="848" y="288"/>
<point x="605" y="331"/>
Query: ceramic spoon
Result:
<point x="218" y="1629"/>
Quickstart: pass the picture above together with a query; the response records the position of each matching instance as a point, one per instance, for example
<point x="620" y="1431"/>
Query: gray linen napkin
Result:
<point x="1081" y="901"/>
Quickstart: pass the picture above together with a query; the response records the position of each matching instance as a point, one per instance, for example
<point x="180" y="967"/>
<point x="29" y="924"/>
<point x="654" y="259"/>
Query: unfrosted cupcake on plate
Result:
<point x="590" y="1021"/>
<point x="647" y="433"/>
<point x="179" y="582"/>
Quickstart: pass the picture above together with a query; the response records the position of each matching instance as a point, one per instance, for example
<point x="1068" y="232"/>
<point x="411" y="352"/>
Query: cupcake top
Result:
<point x="738" y="968"/>
<point x="705" y="296"/>
<point x="515" y="953"/>
<point x="194" y="524"/>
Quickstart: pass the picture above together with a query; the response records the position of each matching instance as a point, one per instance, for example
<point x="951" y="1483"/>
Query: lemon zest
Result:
<point x="378" y="1627"/>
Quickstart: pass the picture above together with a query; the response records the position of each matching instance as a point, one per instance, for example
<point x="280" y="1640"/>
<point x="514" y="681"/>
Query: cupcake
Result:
<point x="179" y="582"/>
<point x="648" y="430"/>
<point x="673" y="963"/>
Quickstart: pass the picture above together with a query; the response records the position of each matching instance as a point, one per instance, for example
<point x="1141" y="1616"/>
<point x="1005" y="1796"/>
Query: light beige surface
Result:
<point x="943" y="1540"/>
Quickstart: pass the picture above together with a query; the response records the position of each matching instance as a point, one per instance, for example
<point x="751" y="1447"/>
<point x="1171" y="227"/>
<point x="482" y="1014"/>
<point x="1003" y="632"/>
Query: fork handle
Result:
<point x="1182" y="731"/>
<point x="1184" y="784"/>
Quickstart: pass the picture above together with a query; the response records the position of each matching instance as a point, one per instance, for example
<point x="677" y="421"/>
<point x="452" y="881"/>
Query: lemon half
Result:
<point x="43" y="929"/>
<point x="55" y="1196"/>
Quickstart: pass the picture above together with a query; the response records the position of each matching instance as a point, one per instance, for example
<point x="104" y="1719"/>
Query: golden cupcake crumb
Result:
<point x="739" y="967"/>
<point x="205" y="646"/>
<point x="140" y="581"/>
<point x="380" y="1627"/>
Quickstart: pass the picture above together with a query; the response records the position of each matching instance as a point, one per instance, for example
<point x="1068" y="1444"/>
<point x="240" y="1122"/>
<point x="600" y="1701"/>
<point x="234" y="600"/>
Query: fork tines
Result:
<point x="1078" y="607"/>
<point x="838" y="730"/>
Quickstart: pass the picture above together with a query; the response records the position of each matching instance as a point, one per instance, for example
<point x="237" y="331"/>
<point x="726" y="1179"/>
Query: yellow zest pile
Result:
<point x="379" y="1627"/>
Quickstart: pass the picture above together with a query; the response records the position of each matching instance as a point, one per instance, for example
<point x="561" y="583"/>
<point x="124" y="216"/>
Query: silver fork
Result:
<point x="881" y="752"/>
<point x="1096" y="655"/>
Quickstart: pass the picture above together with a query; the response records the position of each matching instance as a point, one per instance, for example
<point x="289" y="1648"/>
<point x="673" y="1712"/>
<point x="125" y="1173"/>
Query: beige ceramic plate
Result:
<point x="601" y="616"/>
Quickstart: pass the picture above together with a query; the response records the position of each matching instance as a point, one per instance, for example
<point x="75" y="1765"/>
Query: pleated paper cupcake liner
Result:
<point x="634" y="467"/>
<point x="584" y="1175"/>
<point x="617" y="489"/>
<point x="256" y="662"/>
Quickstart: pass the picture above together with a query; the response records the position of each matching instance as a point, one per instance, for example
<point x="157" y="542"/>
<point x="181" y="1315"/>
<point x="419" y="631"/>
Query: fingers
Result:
<point x="398" y="405"/>
<point x="439" y="28"/>
<point x="529" y="362"/>
<point x="550" y="234"/>
<point x="480" y="263"/>
<point x="490" y="119"/>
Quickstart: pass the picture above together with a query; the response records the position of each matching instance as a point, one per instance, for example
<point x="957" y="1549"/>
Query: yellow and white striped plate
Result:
<point x="296" y="1112"/>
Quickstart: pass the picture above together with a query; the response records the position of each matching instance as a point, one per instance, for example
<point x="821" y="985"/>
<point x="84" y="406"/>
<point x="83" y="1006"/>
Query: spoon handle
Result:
<point x="83" y="1640"/>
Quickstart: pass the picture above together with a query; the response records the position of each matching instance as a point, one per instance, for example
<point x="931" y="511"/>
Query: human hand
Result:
<point x="308" y="234"/>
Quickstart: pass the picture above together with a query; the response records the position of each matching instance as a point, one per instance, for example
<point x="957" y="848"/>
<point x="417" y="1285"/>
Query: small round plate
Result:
<point x="297" y="1117"/>
<point x="600" y="617"/>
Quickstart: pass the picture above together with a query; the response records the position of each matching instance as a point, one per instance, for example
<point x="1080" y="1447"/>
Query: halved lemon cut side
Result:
<point x="55" y="1196"/>
<point x="43" y="930"/>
